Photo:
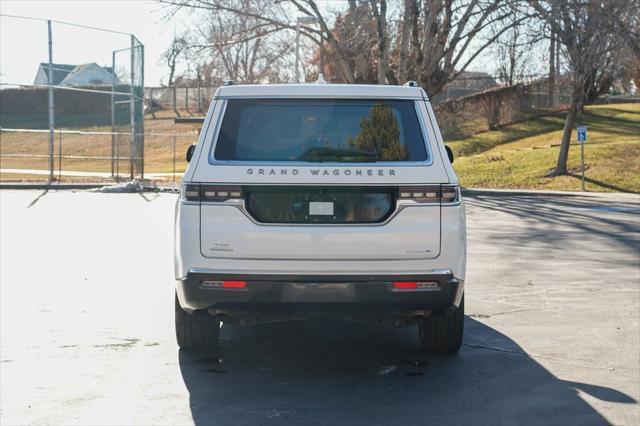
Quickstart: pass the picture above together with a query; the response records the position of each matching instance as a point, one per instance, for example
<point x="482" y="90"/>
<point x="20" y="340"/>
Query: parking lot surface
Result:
<point x="551" y="336"/>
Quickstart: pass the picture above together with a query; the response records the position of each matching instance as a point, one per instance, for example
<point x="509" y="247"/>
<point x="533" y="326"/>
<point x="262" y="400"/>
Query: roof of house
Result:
<point x="66" y="71"/>
<point x="97" y="71"/>
<point x="60" y="71"/>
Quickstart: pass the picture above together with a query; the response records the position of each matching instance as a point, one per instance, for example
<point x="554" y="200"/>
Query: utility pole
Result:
<point x="306" y="20"/>
<point x="297" y="51"/>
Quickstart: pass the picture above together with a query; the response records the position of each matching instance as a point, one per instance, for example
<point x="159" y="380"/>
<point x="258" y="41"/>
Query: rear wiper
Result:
<point x="320" y="154"/>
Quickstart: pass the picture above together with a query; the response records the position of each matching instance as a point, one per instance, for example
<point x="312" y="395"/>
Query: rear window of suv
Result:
<point x="320" y="130"/>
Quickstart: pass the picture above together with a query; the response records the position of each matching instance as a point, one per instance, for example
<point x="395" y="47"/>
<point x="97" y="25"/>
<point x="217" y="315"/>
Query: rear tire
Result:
<point x="442" y="334"/>
<point x="198" y="330"/>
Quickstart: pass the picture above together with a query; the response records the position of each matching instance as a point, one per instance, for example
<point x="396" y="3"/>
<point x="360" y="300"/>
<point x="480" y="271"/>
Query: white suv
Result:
<point x="320" y="201"/>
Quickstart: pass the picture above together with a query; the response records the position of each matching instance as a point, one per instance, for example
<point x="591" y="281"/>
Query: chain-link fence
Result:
<point x="181" y="101"/>
<point x="471" y="83"/>
<point x="71" y="97"/>
<point x="91" y="155"/>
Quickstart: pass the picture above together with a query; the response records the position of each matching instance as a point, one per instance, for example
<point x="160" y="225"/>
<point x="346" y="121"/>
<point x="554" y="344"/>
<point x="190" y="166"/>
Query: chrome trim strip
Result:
<point x="434" y="272"/>
<point x="320" y="96"/>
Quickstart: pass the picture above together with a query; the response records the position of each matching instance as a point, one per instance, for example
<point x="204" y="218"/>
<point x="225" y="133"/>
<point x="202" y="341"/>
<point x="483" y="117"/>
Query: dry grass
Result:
<point x="158" y="149"/>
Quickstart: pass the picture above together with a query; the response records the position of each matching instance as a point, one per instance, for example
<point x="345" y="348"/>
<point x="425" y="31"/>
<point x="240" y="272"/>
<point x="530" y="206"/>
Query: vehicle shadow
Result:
<point x="545" y="216"/>
<point x="335" y="372"/>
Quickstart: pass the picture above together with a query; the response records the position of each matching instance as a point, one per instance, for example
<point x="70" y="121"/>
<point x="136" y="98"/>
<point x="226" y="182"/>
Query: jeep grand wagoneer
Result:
<point x="320" y="201"/>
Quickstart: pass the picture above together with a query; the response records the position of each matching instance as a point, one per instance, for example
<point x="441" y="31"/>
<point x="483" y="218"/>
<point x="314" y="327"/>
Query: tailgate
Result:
<point x="331" y="223"/>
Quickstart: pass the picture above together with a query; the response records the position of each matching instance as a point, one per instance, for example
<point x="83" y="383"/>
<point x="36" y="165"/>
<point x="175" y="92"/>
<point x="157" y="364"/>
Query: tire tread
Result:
<point x="442" y="333"/>
<point x="198" y="330"/>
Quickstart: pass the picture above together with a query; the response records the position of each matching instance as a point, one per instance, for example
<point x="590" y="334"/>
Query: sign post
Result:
<point x="582" y="139"/>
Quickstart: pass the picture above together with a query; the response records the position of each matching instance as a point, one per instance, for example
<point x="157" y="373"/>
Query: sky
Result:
<point x="23" y="43"/>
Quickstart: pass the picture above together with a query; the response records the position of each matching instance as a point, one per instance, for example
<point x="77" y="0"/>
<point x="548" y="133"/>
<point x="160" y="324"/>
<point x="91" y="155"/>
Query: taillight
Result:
<point x="190" y="192"/>
<point x="405" y="285"/>
<point x="450" y="194"/>
<point x="220" y="192"/>
<point x="430" y="194"/>
<point x="223" y="284"/>
<point x="416" y="285"/>
<point x="210" y="193"/>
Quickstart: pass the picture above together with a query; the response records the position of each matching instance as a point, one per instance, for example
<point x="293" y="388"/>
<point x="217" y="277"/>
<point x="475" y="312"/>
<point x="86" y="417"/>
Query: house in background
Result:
<point x="60" y="71"/>
<point x="90" y="74"/>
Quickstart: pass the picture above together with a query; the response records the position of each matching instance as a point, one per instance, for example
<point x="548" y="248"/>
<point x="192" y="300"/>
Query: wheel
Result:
<point x="196" y="331"/>
<point x="442" y="333"/>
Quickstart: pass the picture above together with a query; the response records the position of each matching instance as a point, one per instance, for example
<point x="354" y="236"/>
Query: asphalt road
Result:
<point x="551" y="338"/>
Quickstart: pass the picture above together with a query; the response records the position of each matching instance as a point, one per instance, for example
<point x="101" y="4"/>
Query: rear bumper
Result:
<point x="275" y="295"/>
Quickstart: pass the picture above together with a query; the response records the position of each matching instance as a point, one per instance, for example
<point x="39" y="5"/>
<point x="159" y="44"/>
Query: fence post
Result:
<point x="186" y="99"/>
<point x="175" y="101"/>
<point x="174" y="158"/>
<point x="117" y="156"/>
<point x="51" y="105"/>
<point x="113" y="112"/>
<point x="132" y="110"/>
<point x="60" y="155"/>
<point x="141" y="135"/>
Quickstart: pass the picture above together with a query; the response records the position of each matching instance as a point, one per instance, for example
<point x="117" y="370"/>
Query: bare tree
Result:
<point x="174" y="51"/>
<point x="511" y="51"/>
<point x="628" y="24"/>
<point x="453" y="36"/>
<point x="579" y="26"/>
<point x="438" y="39"/>
<point x="379" y="8"/>
<point x="243" y="48"/>
<point x="410" y="13"/>
<point x="356" y="33"/>
<point x="225" y="44"/>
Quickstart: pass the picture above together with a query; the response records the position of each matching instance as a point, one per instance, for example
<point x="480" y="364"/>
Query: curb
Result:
<point x="541" y="193"/>
<point x="79" y="186"/>
<point x="54" y="186"/>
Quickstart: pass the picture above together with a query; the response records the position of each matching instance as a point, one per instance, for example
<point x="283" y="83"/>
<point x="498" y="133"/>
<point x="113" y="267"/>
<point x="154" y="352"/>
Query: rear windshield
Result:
<point x="320" y="130"/>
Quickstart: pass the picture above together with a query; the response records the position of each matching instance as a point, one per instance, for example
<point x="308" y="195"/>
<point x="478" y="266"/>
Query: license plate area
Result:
<point x="318" y="205"/>
<point x="318" y="292"/>
<point x="320" y="208"/>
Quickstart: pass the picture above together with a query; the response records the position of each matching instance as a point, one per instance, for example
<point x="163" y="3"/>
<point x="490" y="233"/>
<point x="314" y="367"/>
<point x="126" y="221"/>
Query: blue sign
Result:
<point x="582" y="134"/>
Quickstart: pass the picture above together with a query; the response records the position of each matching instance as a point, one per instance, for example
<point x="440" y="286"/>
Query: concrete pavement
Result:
<point x="86" y="323"/>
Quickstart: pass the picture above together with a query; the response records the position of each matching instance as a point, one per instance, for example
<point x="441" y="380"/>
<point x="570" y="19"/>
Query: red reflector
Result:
<point x="406" y="285"/>
<point x="234" y="284"/>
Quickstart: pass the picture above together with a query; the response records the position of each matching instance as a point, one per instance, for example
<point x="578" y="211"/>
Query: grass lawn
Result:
<point x="520" y="156"/>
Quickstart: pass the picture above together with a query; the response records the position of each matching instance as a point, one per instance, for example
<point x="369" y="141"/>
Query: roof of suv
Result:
<point x="320" y="90"/>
